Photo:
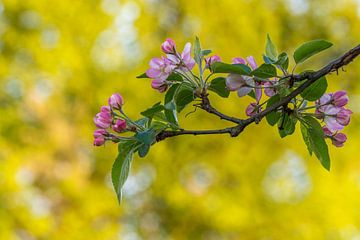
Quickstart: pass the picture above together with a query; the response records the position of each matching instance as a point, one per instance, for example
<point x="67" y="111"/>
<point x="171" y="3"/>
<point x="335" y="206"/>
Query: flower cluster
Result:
<point x="110" y="117"/>
<point x="161" y="68"/>
<point x="331" y="109"/>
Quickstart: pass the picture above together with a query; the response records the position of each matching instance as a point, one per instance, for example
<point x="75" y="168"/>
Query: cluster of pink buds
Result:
<point x="108" y="118"/>
<point x="331" y="109"/>
<point x="161" y="68"/>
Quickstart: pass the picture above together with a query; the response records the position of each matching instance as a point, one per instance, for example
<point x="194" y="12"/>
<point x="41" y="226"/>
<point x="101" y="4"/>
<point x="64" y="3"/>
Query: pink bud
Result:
<point x="211" y="60"/>
<point x="327" y="131"/>
<point x="238" y="60"/>
<point x="116" y="101"/>
<point x="252" y="63"/>
<point x="103" y="119"/>
<point x="340" y="98"/>
<point x="99" y="141"/>
<point x="339" y="139"/>
<point x="343" y="116"/>
<point x="161" y="86"/>
<point x="252" y="109"/>
<point x="119" y="126"/>
<point x="168" y="46"/>
<point x="100" y="133"/>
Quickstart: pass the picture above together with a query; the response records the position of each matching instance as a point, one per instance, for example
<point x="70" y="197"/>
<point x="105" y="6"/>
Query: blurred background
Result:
<point x="60" y="60"/>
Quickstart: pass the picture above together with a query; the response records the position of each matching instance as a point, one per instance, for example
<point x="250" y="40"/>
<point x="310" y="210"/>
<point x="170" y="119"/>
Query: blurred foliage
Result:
<point x="60" y="60"/>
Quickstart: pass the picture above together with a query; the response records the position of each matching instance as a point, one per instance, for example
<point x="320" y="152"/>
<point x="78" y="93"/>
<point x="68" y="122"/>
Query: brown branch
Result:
<point x="311" y="77"/>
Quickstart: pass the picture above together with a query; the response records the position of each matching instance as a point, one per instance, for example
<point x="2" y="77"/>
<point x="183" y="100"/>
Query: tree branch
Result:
<point x="311" y="77"/>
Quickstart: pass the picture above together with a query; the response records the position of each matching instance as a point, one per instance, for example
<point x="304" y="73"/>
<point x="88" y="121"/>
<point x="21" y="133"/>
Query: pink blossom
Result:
<point x="160" y="68"/>
<point x="335" y="118"/>
<point x="340" y="98"/>
<point x="159" y="85"/>
<point x="238" y="60"/>
<point x="253" y="109"/>
<point x="239" y="83"/>
<point x="116" y="101"/>
<point x="270" y="89"/>
<point x="119" y="126"/>
<point x="211" y="60"/>
<point x="168" y="46"/>
<point x="185" y="62"/>
<point x="252" y="62"/>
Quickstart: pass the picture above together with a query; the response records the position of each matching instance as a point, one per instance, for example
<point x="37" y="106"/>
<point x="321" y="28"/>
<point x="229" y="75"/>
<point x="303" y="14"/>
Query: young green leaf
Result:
<point x="153" y="110"/>
<point x="146" y="137"/>
<point x="270" y="49"/>
<point x="286" y="125"/>
<point x="306" y="137"/>
<point x="265" y="71"/>
<point x="220" y="67"/>
<point x="173" y="77"/>
<point x="283" y="61"/>
<point x="184" y="96"/>
<point x="218" y="85"/>
<point x="308" y="49"/>
<point x="273" y="117"/>
<point x="170" y="106"/>
<point x="142" y="76"/>
<point x="121" y="167"/>
<point x="197" y="51"/>
<point x="315" y="90"/>
<point x="205" y="52"/>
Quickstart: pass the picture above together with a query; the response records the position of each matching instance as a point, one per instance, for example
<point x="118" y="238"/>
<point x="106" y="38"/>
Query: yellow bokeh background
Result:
<point x="60" y="60"/>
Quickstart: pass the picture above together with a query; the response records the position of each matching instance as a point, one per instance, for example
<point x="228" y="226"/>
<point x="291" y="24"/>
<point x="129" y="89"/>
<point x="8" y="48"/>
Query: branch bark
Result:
<point x="234" y="131"/>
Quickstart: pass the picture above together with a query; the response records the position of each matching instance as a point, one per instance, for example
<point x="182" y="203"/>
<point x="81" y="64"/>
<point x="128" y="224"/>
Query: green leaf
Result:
<point x="252" y="94"/>
<point x="315" y="140"/>
<point x="147" y="136"/>
<point x="170" y="93"/>
<point x="172" y="77"/>
<point x="308" y="49"/>
<point x="270" y="49"/>
<point x="121" y="167"/>
<point x="220" y="67"/>
<point x="273" y="117"/>
<point x="153" y="110"/>
<point x="306" y="137"/>
<point x="184" y="96"/>
<point x="170" y="106"/>
<point x="142" y="76"/>
<point x="143" y="150"/>
<point x="283" y="61"/>
<point x="205" y="52"/>
<point x="197" y="51"/>
<point x="315" y="90"/>
<point x="265" y="71"/>
<point x="286" y="125"/>
<point x="218" y="85"/>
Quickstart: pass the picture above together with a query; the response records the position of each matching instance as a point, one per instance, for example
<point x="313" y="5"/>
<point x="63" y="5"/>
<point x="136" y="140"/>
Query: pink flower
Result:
<point x="252" y="63"/>
<point x="334" y="118"/>
<point x="252" y="109"/>
<point x="337" y="139"/>
<point x="185" y="62"/>
<point x="103" y="119"/>
<point x="119" y="126"/>
<point x="211" y="60"/>
<point x="340" y="98"/>
<point x="160" y="68"/>
<point x="270" y="89"/>
<point x="238" y="60"/>
<point x="116" y="101"/>
<point x="159" y="85"/>
<point x="168" y="46"/>
<point x="239" y="83"/>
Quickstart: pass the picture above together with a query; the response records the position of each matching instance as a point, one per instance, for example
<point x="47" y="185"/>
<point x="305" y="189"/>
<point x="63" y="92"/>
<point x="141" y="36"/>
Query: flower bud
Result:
<point x="339" y="139"/>
<point x="100" y="133"/>
<point x="168" y="46"/>
<point x="161" y="86"/>
<point x="99" y="141"/>
<point x="343" y="116"/>
<point x="211" y="60"/>
<point x="116" y="101"/>
<point x="252" y="109"/>
<point x="340" y="98"/>
<point x="238" y="60"/>
<point x="119" y="126"/>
